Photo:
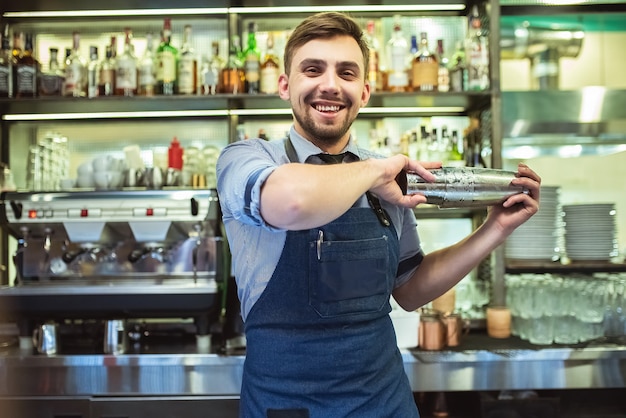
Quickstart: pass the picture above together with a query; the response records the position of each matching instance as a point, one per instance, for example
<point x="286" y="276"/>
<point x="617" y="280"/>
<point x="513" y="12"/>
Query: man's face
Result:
<point x="326" y="88"/>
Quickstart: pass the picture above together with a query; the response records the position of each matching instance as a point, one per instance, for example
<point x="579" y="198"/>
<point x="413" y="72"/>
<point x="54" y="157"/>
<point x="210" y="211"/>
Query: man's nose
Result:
<point x="329" y="81"/>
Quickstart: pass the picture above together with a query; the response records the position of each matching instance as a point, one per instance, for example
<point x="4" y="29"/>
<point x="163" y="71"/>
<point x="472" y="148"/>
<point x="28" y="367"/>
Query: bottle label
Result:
<point x="126" y="76"/>
<point x="252" y="68"/>
<point x="186" y="72"/>
<point x="73" y="79"/>
<point x="107" y="77"/>
<point x="50" y="85"/>
<point x="6" y="87"/>
<point x="26" y="82"/>
<point x="269" y="80"/>
<point x="166" y="69"/>
<point x="425" y="75"/>
<point x="443" y="79"/>
<point x="146" y="75"/>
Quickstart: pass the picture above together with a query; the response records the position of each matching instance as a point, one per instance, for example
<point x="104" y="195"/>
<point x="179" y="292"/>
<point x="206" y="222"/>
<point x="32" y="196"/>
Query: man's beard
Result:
<point x="323" y="134"/>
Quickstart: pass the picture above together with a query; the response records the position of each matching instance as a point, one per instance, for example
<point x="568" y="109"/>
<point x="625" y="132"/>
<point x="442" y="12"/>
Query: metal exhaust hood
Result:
<point x="588" y="121"/>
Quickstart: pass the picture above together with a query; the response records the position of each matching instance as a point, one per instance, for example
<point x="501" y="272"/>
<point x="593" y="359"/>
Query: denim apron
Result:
<point x="320" y="342"/>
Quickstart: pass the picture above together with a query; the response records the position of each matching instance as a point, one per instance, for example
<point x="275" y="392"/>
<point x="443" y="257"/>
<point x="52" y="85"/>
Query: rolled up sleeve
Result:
<point x="242" y="168"/>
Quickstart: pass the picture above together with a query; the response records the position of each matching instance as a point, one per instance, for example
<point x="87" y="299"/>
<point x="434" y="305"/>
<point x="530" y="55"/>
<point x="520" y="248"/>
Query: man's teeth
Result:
<point x="327" y="108"/>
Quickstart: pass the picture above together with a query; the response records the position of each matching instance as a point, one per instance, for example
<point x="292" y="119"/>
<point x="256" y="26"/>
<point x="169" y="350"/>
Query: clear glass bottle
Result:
<point x="373" y="72"/>
<point x="270" y="68"/>
<point x="187" y="67"/>
<point x="26" y="71"/>
<point x="211" y="69"/>
<point x="424" y="68"/>
<point x="51" y="80"/>
<point x="232" y="77"/>
<point x="458" y="69"/>
<point x="147" y="69"/>
<point x="126" y="68"/>
<point x="93" y="72"/>
<point x="6" y="66"/>
<point x="477" y="50"/>
<point x="106" y="79"/>
<point x="75" y="71"/>
<point x="397" y="52"/>
<point x="166" y="57"/>
<point x="252" y="58"/>
<point x="443" y="75"/>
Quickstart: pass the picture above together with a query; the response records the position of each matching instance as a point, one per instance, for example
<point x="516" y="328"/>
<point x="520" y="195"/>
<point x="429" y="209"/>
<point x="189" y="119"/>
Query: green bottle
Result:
<point x="166" y="57"/>
<point x="252" y="62"/>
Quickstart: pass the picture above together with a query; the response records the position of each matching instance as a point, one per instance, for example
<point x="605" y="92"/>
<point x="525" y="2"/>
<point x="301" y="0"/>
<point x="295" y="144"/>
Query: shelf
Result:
<point x="381" y="105"/>
<point x="538" y="8"/>
<point x="38" y="9"/>
<point x="542" y="266"/>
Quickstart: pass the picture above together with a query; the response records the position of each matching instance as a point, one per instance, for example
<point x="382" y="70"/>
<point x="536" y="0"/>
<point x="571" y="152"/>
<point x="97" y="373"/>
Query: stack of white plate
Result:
<point x="539" y="237"/>
<point x="590" y="232"/>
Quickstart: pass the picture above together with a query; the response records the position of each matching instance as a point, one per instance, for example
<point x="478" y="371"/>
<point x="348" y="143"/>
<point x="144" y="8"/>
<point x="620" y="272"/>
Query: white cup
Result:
<point x="67" y="184"/>
<point x="107" y="180"/>
<point x="85" y="180"/>
<point x="85" y="169"/>
<point x="106" y="163"/>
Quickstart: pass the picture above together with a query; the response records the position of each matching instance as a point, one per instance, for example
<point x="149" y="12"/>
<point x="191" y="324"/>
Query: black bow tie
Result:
<point x="323" y="158"/>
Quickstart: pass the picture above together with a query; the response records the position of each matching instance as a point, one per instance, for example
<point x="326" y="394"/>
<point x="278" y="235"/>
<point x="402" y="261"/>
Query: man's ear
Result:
<point x="283" y="86"/>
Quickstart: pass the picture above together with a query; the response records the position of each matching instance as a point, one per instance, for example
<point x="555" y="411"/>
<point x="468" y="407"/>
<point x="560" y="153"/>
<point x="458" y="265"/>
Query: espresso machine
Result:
<point x="114" y="255"/>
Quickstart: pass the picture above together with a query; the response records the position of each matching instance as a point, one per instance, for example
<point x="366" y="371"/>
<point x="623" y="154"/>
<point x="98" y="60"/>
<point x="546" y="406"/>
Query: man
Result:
<point x="318" y="249"/>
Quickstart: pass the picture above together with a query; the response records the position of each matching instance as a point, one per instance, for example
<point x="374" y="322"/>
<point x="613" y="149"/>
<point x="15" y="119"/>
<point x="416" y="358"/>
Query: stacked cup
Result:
<point x="103" y="172"/>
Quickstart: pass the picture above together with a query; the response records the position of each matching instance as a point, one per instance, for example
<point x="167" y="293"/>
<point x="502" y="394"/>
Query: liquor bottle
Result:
<point x="18" y="44"/>
<point x="106" y="80"/>
<point x="6" y="66"/>
<point x="187" y="70"/>
<point x="443" y="75"/>
<point x="413" y="51"/>
<point x="373" y="72"/>
<point x="166" y="57"/>
<point x="126" y="68"/>
<point x="92" y="72"/>
<point x="147" y="69"/>
<point x="477" y="51"/>
<point x="75" y="71"/>
<point x="456" y="158"/>
<point x="270" y="68"/>
<point x="456" y="187"/>
<point x="211" y="68"/>
<point x="425" y="67"/>
<point x="232" y="76"/>
<point x="252" y="58"/>
<point x="51" y="81"/>
<point x="397" y="52"/>
<point x="26" y="71"/>
<point x="458" y="69"/>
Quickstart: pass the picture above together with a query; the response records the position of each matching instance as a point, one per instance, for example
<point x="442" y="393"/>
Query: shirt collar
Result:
<point x="305" y="148"/>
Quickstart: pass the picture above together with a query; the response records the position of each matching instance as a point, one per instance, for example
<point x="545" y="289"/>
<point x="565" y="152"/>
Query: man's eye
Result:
<point x="311" y="70"/>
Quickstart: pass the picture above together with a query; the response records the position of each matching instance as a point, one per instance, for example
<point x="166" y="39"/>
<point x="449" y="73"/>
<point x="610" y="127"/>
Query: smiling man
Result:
<point x="318" y="248"/>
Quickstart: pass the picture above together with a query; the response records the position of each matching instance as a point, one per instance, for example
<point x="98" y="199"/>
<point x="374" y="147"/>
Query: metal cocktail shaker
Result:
<point x="457" y="187"/>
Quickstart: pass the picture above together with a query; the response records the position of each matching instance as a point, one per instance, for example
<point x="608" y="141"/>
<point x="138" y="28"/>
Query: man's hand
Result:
<point x="388" y="189"/>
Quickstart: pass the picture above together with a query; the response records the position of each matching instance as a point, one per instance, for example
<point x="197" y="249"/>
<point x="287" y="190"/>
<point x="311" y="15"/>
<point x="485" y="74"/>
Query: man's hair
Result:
<point x="325" y="25"/>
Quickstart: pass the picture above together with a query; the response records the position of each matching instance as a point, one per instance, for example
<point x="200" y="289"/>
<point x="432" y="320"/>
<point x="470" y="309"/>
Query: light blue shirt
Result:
<point x="256" y="247"/>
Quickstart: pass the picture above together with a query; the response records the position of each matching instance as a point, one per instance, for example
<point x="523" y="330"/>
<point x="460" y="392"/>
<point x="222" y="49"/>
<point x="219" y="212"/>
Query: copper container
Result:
<point x="432" y="331"/>
<point x="456" y="328"/>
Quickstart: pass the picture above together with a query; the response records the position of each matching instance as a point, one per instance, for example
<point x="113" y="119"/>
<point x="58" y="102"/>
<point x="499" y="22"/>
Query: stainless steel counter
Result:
<point x="480" y="363"/>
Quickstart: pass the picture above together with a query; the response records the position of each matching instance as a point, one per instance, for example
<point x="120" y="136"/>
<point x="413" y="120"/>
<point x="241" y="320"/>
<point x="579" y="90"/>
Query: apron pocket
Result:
<point x="349" y="277"/>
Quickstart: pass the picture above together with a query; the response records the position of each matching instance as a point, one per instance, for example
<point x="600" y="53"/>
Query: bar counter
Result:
<point x="479" y="363"/>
